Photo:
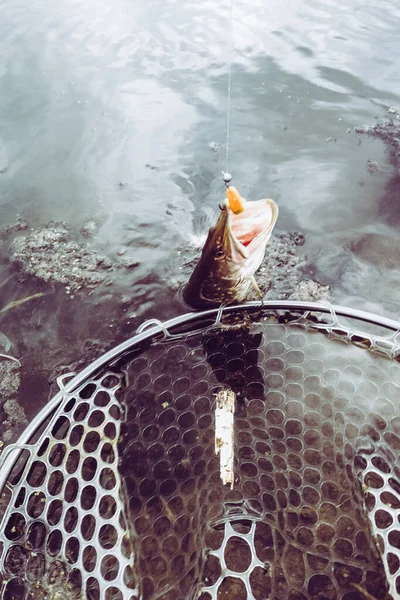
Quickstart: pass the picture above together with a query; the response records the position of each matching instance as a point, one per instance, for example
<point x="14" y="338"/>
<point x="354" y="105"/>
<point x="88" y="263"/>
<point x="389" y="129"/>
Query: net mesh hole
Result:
<point x="71" y="519"/>
<point x="383" y="519"/>
<point x="36" y="567"/>
<point x="91" y="442"/>
<point x="60" y="428"/>
<point x="15" y="589"/>
<point x="110" y="431"/>
<point x="394" y="538"/>
<point x="107" y="536"/>
<point x="81" y="411"/>
<point x="15" y="560"/>
<point x="393" y="562"/>
<point x="37" y="474"/>
<point x="107" y="507"/>
<point x="72" y="548"/>
<point x="20" y="498"/>
<point x="87" y="391"/>
<point x="89" y="558"/>
<point x="107" y="479"/>
<point x="57" y="454"/>
<point x="76" y="435"/>
<point x="57" y="573"/>
<point x="88" y="526"/>
<point x="102" y="398"/>
<point x="15" y="528"/>
<point x="69" y="405"/>
<point x="72" y="462"/>
<point x="88" y="497"/>
<point x="109" y="567"/>
<point x="36" y="504"/>
<point x="74" y="583"/>
<point x="107" y="453"/>
<point x="110" y="381"/>
<point x="36" y="535"/>
<point x="43" y="447"/>
<point x="89" y="468"/>
<point x="237" y="554"/>
<point x="54" y="512"/>
<point x="96" y="418"/>
<point x="71" y="489"/>
<point x="92" y="589"/>
<point x="113" y="594"/>
<point x="54" y="542"/>
<point x="55" y="483"/>
<point x="232" y="588"/>
<point x="129" y="578"/>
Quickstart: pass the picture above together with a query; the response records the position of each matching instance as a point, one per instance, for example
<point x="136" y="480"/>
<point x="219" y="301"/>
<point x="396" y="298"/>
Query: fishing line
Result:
<point x="226" y="175"/>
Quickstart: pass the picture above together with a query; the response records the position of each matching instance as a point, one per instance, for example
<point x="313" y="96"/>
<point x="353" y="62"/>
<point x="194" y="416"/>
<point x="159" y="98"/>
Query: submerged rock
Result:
<point x="13" y="416"/>
<point x="51" y="253"/>
<point x="9" y="379"/>
<point x="19" y="225"/>
<point x="310" y="291"/>
<point x="15" y="420"/>
<point x="281" y="275"/>
<point x="389" y="132"/>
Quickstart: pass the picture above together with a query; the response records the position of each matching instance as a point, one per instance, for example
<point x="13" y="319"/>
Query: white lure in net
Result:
<point x="224" y="424"/>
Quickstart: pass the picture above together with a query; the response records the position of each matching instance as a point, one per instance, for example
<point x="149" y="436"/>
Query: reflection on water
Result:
<point x="116" y="112"/>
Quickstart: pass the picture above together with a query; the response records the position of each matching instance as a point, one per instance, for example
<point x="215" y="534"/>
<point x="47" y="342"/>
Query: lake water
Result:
<point x="116" y="112"/>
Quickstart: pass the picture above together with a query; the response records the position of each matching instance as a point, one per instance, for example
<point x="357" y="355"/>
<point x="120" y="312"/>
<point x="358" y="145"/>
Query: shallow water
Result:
<point x="116" y="112"/>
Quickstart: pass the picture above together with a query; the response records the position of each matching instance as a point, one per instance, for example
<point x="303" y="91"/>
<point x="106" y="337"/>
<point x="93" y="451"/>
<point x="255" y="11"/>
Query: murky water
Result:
<point x="116" y="112"/>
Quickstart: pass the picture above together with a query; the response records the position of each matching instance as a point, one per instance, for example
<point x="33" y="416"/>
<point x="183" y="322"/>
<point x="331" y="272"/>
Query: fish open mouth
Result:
<point x="253" y="226"/>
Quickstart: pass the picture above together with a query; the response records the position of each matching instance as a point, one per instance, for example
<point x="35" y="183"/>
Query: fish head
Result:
<point x="232" y="253"/>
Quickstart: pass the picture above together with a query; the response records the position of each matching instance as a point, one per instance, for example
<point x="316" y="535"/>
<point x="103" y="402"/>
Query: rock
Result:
<point x="131" y="264"/>
<point x="52" y="253"/>
<point x="9" y="379"/>
<point x="372" y="166"/>
<point x="377" y="249"/>
<point x="389" y="132"/>
<point x="13" y="419"/>
<point x="19" y="225"/>
<point x="309" y="290"/>
<point x="88" y="229"/>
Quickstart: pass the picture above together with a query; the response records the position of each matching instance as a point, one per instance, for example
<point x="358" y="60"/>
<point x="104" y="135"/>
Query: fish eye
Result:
<point x="219" y="253"/>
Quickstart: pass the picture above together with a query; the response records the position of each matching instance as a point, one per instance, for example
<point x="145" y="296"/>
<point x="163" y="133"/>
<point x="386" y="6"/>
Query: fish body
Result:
<point x="232" y="253"/>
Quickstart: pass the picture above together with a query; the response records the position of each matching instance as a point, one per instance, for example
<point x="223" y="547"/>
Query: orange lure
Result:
<point x="235" y="201"/>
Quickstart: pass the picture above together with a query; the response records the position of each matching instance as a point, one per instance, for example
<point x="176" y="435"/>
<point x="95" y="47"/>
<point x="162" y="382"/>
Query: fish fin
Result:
<point x="257" y="289"/>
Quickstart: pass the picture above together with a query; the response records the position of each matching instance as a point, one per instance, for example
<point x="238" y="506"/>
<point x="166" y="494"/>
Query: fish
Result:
<point x="233" y="251"/>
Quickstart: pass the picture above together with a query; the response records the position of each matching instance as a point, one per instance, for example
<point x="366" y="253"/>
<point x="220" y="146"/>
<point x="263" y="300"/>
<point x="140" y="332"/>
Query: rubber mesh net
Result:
<point x="118" y="495"/>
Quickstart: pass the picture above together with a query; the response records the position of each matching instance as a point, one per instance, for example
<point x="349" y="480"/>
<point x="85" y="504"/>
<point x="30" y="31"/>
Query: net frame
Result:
<point x="185" y="325"/>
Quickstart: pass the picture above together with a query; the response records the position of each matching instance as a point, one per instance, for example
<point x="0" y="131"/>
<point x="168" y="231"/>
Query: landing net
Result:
<point x="114" y="491"/>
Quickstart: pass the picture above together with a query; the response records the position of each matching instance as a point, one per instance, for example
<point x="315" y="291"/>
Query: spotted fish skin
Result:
<point x="232" y="253"/>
